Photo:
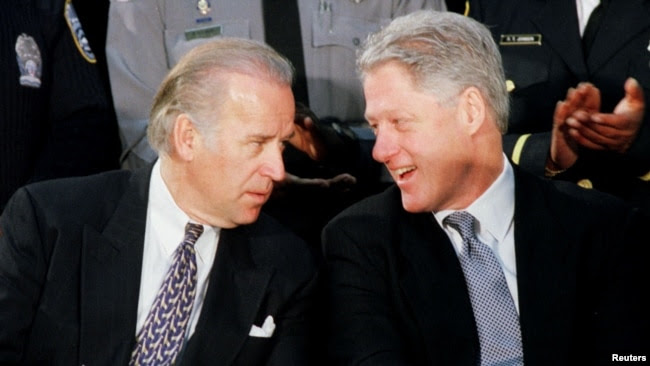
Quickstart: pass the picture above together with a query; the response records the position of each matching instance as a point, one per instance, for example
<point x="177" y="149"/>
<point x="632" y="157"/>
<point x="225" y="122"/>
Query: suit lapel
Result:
<point x="545" y="272"/>
<point x="234" y="295"/>
<point x="110" y="277"/>
<point x="432" y="282"/>
<point x="622" y="21"/>
<point x="546" y="262"/>
<point x="558" y="23"/>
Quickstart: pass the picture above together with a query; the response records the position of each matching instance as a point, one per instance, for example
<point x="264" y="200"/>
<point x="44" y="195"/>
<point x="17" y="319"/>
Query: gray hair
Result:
<point x="445" y="53"/>
<point x="197" y="84"/>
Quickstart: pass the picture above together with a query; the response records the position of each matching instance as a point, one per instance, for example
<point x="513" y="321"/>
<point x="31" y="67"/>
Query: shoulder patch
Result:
<point x="29" y="61"/>
<point x="78" y="33"/>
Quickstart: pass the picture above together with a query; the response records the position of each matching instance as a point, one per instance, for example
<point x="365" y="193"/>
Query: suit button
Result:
<point x="510" y="85"/>
<point x="585" y="183"/>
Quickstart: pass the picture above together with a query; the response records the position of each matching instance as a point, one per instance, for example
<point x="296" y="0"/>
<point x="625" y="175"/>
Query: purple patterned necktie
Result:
<point x="496" y="317"/>
<point x="162" y="335"/>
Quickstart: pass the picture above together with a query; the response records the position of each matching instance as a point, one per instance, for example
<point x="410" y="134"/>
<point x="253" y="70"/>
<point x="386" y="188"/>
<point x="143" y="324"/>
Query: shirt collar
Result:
<point x="170" y="216"/>
<point x="495" y="208"/>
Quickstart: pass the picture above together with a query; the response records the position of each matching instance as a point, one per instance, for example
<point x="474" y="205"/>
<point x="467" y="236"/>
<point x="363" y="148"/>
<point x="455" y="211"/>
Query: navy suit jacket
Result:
<point x="541" y="71"/>
<point x="70" y="265"/>
<point x="398" y="295"/>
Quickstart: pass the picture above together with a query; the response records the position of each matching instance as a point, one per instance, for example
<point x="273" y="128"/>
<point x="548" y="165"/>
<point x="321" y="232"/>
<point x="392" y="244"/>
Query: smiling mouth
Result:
<point x="401" y="172"/>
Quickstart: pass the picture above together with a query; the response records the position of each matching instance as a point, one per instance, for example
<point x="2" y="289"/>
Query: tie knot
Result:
<point x="463" y="222"/>
<point x="192" y="232"/>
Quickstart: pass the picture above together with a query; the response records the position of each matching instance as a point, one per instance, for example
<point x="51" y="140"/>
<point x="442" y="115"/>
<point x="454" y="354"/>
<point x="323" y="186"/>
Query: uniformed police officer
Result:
<point x="601" y="136"/>
<point x="54" y="113"/>
<point x="147" y="37"/>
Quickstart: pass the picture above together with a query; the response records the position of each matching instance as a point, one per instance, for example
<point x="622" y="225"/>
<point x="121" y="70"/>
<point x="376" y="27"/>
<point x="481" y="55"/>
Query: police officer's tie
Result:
<point x="593" y="24"/>
<point x="282" y="32"/>
<point x="162" y="335"/>
<point x="494" y="309"/>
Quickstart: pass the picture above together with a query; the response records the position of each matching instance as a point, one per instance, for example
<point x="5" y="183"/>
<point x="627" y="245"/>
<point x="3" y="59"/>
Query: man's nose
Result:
<point x="385" y="146"/>
<point x="274" y="165"/>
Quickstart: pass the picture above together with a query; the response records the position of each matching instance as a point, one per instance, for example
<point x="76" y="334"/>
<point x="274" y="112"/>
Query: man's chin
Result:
<point x="250" y="216"/>
<point x="412" y="205"/>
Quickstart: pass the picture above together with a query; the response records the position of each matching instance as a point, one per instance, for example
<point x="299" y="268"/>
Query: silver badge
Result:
<point x="29" y="61"/>
<point x="203" y="6"/>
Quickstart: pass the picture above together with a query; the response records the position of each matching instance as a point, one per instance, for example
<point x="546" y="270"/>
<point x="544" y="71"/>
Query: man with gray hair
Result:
<point x="467" y="260"/>
<point x="91" y="269"/>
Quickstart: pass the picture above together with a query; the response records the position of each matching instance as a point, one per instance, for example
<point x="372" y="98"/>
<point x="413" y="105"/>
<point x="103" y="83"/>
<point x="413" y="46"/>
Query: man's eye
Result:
<point x="256" y="146"/>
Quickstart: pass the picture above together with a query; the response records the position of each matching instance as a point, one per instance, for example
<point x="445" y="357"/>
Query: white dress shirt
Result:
<point x="585" y="8"/>
<point x="164" y="232"/>
<point x="494" y="212"/>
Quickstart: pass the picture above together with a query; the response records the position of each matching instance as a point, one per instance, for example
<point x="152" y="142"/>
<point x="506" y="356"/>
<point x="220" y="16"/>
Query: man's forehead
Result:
<point x="269" y="127"/>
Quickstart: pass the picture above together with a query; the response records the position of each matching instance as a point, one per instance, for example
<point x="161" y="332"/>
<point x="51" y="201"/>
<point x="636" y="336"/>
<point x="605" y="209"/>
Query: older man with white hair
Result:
<point x="468" y="260"/>
<point x="91" y="269"/>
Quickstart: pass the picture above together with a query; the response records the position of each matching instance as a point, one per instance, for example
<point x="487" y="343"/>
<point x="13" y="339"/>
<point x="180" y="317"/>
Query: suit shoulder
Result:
<point x="78" y="196"/>
<point x="572" y="194"/>
<point x="588" y="206"/>
<point x="80" y="186"/>
<point x="368" y="223"/>
<point x="373" y="210"/>
<point x="277" y="246"/>
<point x="268" y="225"/>
<point x="383" y="203"/>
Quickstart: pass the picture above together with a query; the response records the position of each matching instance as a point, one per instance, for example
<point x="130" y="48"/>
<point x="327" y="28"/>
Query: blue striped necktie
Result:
<point x="161" y="338"/>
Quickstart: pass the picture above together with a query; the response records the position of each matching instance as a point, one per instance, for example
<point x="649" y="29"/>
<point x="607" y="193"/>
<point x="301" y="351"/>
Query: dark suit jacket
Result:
<point x="542" y="73"/>
<point x="70" y="263"/>
<point x="398" y="296"/>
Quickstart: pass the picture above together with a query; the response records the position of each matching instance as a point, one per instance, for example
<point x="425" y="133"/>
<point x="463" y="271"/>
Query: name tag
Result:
<point x="207" y="32"/>
<point x="520" y="40"/>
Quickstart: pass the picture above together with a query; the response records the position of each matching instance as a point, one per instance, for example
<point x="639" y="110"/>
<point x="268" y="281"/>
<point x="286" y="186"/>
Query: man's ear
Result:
<point x="184" y="137"/>
<point x="473" y="108"/>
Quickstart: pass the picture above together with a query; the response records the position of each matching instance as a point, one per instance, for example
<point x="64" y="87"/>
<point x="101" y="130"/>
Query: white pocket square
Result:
<point x="265" y="331"/>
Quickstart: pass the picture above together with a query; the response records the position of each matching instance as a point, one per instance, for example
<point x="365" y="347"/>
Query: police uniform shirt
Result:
<point x="147" y="37"/>
<point x="333" y="31"/>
